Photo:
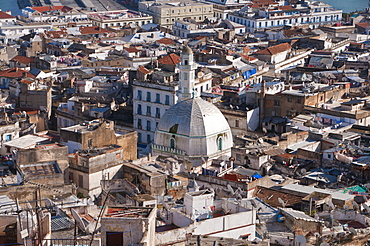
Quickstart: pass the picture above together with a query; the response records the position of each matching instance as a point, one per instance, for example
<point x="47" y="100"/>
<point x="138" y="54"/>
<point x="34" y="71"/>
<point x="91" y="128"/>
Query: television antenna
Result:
<point x="353" y="231"/>
<point x="331" y="205"/>
<point x="283" y="204"/>
<point x="300" y="241"/>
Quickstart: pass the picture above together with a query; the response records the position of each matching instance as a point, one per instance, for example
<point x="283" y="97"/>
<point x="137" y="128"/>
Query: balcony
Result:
<point x="168" y="149"/>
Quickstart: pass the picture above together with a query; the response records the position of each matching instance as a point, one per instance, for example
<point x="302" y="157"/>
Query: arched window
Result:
<point x="172" y="143"/>
<point x="219" y="143"/>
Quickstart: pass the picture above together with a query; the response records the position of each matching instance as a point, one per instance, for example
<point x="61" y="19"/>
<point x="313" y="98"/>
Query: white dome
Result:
<point x="194" y="118"/>
<point x="194" y="128"/>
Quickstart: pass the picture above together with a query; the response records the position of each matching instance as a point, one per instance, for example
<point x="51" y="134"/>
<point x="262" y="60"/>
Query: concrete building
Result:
<point x="88" y="167"/>
<point x="119" y="18"/>
<point x="60" y="16"/>
<point x="165" y="13"/>
<point x="156" y="91"/>
<point x="187" y="128"/>
<point x="257" y="18"/>
<point x="96" y="134"/>
<point x="201" y="214"/>
<point x="128" y="225"/>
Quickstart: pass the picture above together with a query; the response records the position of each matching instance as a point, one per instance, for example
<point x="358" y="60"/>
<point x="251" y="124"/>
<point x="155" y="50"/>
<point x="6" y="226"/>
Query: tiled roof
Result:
<point x="144" y="70"/>
<point x="166" y="41"/>
<point x="4" y="15"/>
<point x="92" y="30"/>
<point x="22" y="59"/>
<point x="132" y="50"/>
<point x="51" y="8"/>
<point x="363" y="24"/>
<point x="171" y="59"/>
<point x="276" y="49"/>
<point x="270" y="196"/>
<point x="16" y="73"/>
<point x="248" y="58"/>
<point x="55" y="34"/>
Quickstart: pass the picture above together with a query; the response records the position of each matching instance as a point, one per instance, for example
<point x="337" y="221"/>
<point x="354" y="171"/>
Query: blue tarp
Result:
<point x="249" y="73"/>
<point x="257" y="176"/>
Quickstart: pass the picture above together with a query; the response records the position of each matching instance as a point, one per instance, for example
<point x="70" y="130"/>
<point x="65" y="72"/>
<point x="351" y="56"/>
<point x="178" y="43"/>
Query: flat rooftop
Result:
<point x="127" y="212"/>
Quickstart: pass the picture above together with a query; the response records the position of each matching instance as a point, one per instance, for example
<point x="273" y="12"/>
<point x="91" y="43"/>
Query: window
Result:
<point x="219" y="143"/>
<point x="329" y="156"/>
<point x="298" y="100"/>
<point x="158" y="113"/>
<point x="148" y="97"/>
<point x="289" y="99"/>
<point x="167" y="102"/>
<point x="148" y="139"/>
<point x="276" y="102"/>
<point x="80" y="181"/>
<point x="148" y="126"/>
<point x="139" y="137"/>
<point x="139" y="109"/>
<point x="185" y="76"/>
<point x="8" y="137"/>
<point x="89" y="142"/>
<point x="186" y="62"/>
<point x="139" y="125"/>
<point x="157" y="98"/>
<point x="139" y="95"/>
<point x="236" y="123"/>
<point x="148" y="111"/>
<point x="172" y="143"/>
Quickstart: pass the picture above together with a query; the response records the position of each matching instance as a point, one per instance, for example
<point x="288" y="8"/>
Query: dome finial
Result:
<point x="187" y="50"/>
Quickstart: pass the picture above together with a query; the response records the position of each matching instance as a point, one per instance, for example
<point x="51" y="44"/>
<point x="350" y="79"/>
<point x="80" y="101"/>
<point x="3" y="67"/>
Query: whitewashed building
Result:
<point x="313" y="13"/>
<point x="153" y="97"/>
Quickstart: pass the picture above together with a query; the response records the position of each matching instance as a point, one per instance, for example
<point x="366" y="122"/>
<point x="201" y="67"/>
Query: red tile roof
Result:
<point x="22" y="59"/>
<point x="4" y="15"/>
<point x="55" y="34"/>
<point x="132" y="50"/>
<point x="51" y="8"/>
<point x="166" y="41"/>
<point x="270" y="196"/>
<point x="276" y="49"/>
<point x="144" y="70"/>
<point x="171" y="59"/>
<point x="92" y="30"/>
<point x="363" y="24"/>
<point x="248" y="58"/>
<point x="16" y="73"/>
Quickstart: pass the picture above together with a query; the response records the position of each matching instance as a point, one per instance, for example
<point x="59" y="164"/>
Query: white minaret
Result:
<point x="187" y="75"/>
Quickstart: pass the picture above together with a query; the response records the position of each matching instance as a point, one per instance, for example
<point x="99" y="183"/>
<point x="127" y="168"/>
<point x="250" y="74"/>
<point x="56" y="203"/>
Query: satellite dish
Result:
<point x="324" y="244"/>
<point x="253" y="203"/>
<point x="300" y="241"/>
<point x="353" y="231"/>
<point x="230" y="189"/>
<point x="303" y="171"/>
<point x="366" y="207"/>
<point x="331" y="205"/>
<point x="281" y="202"/>
<point x="355" y="205"/>
<point x="345" y="207"/>
<point x="78" y="219"/>
<point x="317" y="234"/>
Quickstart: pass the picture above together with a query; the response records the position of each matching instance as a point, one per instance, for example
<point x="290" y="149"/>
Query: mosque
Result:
<point x="193" y="128"/>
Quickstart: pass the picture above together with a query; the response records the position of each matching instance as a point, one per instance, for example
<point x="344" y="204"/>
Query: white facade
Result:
<point x="314" y="14"/>
<point x="12" y="32"/>
<point x="150" y="102"/>
<point x="193" y="127"/>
